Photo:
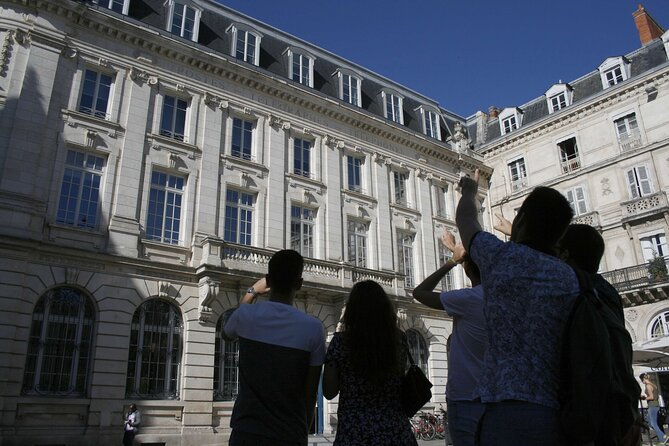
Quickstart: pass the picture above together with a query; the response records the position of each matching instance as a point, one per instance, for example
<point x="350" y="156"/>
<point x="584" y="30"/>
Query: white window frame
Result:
<point x="653" y="244"/>
<point x="307" y="230"/>
<point x="578" y="200"/>
<point x="312" y="152"/>
<point x="396" y="177"/>
<point x="171" y="133"/>
<point x="226" y="362"/>
<point x="448" y="281"/>
<point x="241" y="208"/>
<point x="234" y="30"/>
<point x="171" y="6"/>
<point x="182" y="214"/>
<point x="84" y="170"/>
<point x="106" y="115"/>
<point x="108" y="4"/>
<point x="510" y="119"/>
<point x="631" y="137"/>
<point x="609" y="66"/>
<point x="357" y="242"/>
<point x="569" y="164"/>
<point x="443" y="200"/>
<point x="430" y="119"/>
<point x="360" y="188"/>
<point x="393" y="110"/>
<point x="291" y="53"/>
<point x="356" y="99"/>
<point x="641" y="180"/>
<point x="555" y="92"/>
<point x="522" y="181"/>
<point x="659" y="326"/>
<point x="406" y="262"/>
<point x="252" y="156"/>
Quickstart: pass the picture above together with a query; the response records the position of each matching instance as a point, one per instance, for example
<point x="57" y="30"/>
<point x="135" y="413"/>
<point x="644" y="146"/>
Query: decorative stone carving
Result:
<point x="631" y="315"/>
<point x="334" y="143"/>
<point x="140" y="76"/>
<point x="71" y="275"/>
<point x="164" y="288"/>
<point x="5" y="54"/>
<point x="91" y="136"/>
<point x="462" y="141"/>
<point x="21" y="37"/>
<point x="606" y="187"/>
<point x="278" y="123"/>
<point x="208" y="291"/>
<point x="69" y="53"/>
<point x="215" y="102"/>
<point x="103" y="62"/>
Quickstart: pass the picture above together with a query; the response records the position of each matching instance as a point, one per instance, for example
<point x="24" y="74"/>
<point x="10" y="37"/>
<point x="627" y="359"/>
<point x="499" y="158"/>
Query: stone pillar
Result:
<point x="275" y="214"/>
<point x="332" y="175"/>
<point x="385" y="248"/>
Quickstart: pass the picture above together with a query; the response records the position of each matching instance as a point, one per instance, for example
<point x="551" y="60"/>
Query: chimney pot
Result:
<point x="648" y="28"/>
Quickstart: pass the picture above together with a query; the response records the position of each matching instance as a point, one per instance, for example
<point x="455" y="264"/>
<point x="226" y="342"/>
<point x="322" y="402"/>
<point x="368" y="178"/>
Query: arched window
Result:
<point x="154" y="360"/>
<point x="226" y="363"/>
<point x="59" y="347"/>
<point x="418" y="349"/>
<point x="659" y="326"/>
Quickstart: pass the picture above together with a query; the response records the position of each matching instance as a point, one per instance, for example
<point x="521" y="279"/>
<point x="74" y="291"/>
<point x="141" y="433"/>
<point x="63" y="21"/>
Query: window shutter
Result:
<point x="631" y="181"/>
<point x="644" y="181"/>
<point x="580" y="199"/>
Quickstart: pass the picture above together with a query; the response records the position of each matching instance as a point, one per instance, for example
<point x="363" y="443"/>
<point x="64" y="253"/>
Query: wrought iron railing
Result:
<point x="630" y="141"/>
<point x="639" y="276"/>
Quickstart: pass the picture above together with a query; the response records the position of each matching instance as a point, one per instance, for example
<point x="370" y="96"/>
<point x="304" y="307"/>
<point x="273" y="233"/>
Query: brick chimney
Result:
<point x="646" y="25"/>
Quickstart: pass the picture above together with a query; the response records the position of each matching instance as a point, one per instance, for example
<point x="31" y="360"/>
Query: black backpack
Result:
<point x="598" y="392"/>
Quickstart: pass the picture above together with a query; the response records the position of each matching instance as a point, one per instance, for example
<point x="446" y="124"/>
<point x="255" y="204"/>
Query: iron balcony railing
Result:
<point x="639" y="276"/>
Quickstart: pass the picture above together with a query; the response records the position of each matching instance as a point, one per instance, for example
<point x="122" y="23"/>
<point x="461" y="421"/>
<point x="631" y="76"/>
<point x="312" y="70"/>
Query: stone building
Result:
<point x="602" y="140"/>
<point x="153" y="155"/>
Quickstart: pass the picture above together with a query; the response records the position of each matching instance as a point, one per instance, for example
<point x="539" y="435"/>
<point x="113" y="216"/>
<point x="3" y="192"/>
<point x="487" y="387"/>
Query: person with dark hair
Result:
<point x="468" y="342"/>
<point x="131" y="425"/>
<point x="281" y="352"/>
<point x="528" y="294"/>
<point x="651" y="396"/>
<point x="365" y="364"/>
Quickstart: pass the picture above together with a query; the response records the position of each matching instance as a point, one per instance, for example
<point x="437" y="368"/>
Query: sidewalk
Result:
<point x="323" y="440"/>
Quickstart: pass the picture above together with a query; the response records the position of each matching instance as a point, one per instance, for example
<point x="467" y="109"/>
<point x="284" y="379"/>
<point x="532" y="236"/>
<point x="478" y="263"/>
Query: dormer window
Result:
<point x="510" y="119"/>
<point x="183" y="20"/>
<point x="245" y="43"/>
<point x="430" y="120"/>
<point x="300" y="66"/>
<point x="120" y="6"/>
<point x="613" y="71"/>
<point x="558" y="97"/>
<point x="392" y="106"/>
<point x="349" y="87"/>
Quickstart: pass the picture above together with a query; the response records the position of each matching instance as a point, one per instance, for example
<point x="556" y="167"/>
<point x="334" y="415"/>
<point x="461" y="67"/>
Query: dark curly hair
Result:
<point x="371" y="333"/>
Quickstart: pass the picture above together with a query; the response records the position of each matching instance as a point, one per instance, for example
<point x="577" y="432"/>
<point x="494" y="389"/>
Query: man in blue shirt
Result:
<point x="528" y="294"/>
<point x="468" y="342"/>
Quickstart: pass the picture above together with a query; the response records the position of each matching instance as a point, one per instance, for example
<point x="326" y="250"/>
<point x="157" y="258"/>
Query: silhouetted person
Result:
<point x="131" y="425"/>
<point x="281" y="351"/>
<point x="468" y="341"/>
<point x="364" y="364"/>
<point x="528" y="295"/>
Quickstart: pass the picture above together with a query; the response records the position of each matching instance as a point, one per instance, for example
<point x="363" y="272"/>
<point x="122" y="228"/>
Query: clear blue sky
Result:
<point x="465" y="54"/>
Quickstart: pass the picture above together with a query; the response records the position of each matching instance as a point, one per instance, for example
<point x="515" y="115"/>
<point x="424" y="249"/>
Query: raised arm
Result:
<point x="466" y="215"/>
<point x="424" y="292"/>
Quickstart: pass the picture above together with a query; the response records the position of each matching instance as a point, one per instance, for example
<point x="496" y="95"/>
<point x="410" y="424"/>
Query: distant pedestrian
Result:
<point x="281" y="351"/>
<point x="652" y="398"/>
<point x="365" y="364"/>
<point x="131" y="425"/>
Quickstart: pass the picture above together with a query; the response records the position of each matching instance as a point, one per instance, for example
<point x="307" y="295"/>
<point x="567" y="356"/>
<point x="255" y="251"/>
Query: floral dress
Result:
<point x="367" y="415"/>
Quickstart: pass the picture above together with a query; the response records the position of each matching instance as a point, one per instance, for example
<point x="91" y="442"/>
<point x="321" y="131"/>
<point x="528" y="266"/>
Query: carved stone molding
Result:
<point x="164" y="288"/>
<point x="5" y="54"/>
<point x="333" y="143"/>
<point x="208" y="291"/>
<point x="69" y="53"/>
<point x="140" y="76"/>
<point x="278" y="123"/>
<point x="214" y="101"/>
<point x="21" y="37"/>
<point x="71" y="275"/>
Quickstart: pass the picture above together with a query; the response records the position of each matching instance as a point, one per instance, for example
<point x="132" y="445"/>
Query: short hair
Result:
<point x="284" y="270"/>
<point x="642" y="376"/>
<point x="547" y="214"/>
<point x="585" y="246"/>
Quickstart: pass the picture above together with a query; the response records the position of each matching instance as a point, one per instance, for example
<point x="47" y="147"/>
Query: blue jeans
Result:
<point x="652" y="419"/>
<point x="519" y="423"/>
<point x="463" y="419"/>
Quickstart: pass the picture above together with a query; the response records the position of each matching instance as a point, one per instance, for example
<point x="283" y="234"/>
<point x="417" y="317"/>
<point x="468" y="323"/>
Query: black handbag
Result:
<point x="415" y="391"/>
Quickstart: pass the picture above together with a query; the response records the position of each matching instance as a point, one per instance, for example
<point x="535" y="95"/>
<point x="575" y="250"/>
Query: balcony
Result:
<point x="640" y="284"/>
<point x="643" y="207"/>
<point x="629" y="141"/>
<point x="329" y="278"/>
<point x="519" y="184"/>
<point x="591" y="219"/>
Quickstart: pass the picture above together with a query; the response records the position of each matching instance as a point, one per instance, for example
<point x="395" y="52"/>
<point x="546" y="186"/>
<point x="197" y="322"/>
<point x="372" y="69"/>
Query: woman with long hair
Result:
<point x="364" y="364"/>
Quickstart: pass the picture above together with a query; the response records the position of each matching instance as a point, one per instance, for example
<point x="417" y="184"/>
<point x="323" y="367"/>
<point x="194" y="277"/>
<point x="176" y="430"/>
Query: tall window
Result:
<point x="558" y="102"/>
<point x="447" y="283"/>
<point x="628" y="133"/>
<point x="154" y="359"/>
<point x="95" y="94"/>
<point x="302" y="157"/>
<point x="357" y="243"/>
<point x="354" y="173"/>
<point x="246" y="47"/>
<point x="302" y="230"/>
<point x="510" y="124"/>
<point x="184" y="21"/>
<point x="443" y="201"/>
<point x="59" y="347"/>
<point x="164" y="215"/>
<point x="80" y="190"/>
<point x="418" y="349"/>
<point x="238" y="217"/>
<point x="393" y="108"/>
<point x="660" y="326"/>
<point x="400" y="188"/>
<point x="518" y="174"/>
<point x="226" y="363"/>
<point x="577" y="200"/>
<point x="302" y="69"/>
<point x="350" y="89"/>
<point x="242" y="138"/>
<point x="614" y="76"/>
<point x="569" y="159"/>
<point x="638" y="182"/>
<point x="405" y="254"/>
<point x="431" y="124"/>
<point x="114" y="5"/>
<point x="654" y="246"/>
<point x="173" y="122"/>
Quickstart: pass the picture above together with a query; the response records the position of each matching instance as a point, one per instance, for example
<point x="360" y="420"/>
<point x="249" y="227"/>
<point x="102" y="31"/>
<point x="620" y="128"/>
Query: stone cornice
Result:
<point x="570" y="115"/>
<point x="219" y="65"/>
